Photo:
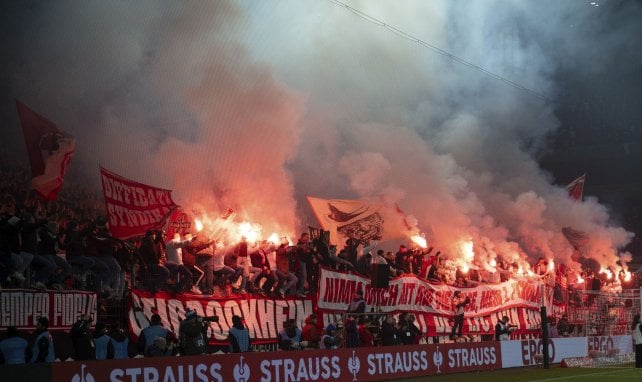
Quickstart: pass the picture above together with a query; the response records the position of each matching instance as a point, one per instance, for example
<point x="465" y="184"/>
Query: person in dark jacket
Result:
<point x="192" y="338"/>
<point x="352" y="333"/>
<point x="83" y="339"/>
<point x="389" y="333"/>
<point x="151" y="256"/>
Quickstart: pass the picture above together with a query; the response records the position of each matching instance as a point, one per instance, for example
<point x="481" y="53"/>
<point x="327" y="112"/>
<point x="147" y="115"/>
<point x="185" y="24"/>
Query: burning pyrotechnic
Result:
<point x="420" y="241"/>
<point x="580" y="280"/>
<point x="551" y="265"/>
<point x="627" y="276"/>
<point x="607" y="272"/>
<point x="492" y="262"/>
<point x="199" y="225"/>
<point x="274" y="238"/>
<point x="252" y="232"/>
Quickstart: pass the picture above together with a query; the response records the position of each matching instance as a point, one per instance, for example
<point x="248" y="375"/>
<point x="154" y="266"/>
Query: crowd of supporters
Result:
<point x="66" y="245"/>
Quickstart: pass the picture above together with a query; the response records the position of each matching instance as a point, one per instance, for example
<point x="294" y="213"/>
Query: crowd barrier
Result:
<point x="350" y="365"/>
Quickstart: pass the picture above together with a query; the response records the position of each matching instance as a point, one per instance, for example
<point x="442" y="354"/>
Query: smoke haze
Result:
<point x="253" y="105"/>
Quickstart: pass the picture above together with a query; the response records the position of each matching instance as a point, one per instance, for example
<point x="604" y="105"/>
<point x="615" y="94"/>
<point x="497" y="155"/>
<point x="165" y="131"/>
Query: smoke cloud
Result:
<point x="251" y="106"/>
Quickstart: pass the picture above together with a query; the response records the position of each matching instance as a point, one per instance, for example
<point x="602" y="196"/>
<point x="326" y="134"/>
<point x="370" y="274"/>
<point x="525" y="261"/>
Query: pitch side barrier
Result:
<point x="347" y="364"/>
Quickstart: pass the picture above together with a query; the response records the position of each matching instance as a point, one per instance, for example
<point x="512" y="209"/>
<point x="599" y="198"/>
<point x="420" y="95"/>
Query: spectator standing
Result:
<point x="636" y="328"/>
<point x="151" y="256"/>
<point x="458" y="302"/>
<point x="119" y="341"/>
<point x="290" y="336"/>
<point x="389" y="333"/>
<point x="286" y="277"/>
<point x="14" y="349"/>
<point x="203" y="250"/>
<point x="43" y="346"/>
<point x="358" y="304"/>
<point x="327" y="340"/>
<point x="147" y="335"/>
<point x="83" y="340"/>
<point x="239" y="336"/>
<point x="563" y="326"/>
<point x="310" y="332"/>
<point x="192" y="338"/>
<point x="104" y="345"/>
<point x="503" y="329"/>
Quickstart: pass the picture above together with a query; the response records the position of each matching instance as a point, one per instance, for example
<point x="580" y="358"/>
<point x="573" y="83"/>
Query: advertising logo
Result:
<point x="438" y="359"/>
<point x="82" y="377"/>
<point x="241" y="371"/>
<point x="354" y="365"/>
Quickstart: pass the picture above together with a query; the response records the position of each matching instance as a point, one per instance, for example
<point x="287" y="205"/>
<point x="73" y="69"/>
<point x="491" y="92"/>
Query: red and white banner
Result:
<point x="528" y="352"/>
<point x="50" y="150"/>
<point x="359" y="219"/>
<point x="134" y="208"/>
<point x="520" y="300"/>
<point x="21" y="308"/>
<point x="264" y="317"/>
<point x="341" y="365"/>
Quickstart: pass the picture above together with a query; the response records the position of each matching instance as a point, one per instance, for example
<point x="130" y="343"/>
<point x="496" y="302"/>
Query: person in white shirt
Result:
<point x="174" y="263"/>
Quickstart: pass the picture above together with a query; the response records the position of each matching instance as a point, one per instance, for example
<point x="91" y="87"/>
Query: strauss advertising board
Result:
<point x="359" y="364"/>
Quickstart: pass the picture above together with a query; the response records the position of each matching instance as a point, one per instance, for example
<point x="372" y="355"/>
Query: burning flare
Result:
<point x="199" y="225"/>
<point x="419" y="240"/>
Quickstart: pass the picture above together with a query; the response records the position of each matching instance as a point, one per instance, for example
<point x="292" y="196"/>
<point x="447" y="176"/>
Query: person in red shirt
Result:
<point x="310" y="332"/>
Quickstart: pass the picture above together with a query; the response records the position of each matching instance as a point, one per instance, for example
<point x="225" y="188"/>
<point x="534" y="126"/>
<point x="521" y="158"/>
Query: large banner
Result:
<point x="359" y="219"/>
<point x="264" y="317"/>
<point x="21" y="308"/>
<point x="132" y="207"/>
<point x="341" y="365"/>
<point x="520" y="300"/>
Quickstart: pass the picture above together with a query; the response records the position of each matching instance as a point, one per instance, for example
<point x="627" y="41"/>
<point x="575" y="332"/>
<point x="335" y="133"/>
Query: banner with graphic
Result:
<point x="264" y="317"/>
<point x="341" y="365"/>
<point x="520" y="300"/>
<point x="134" y="208"/>
<point x="21" y="308"/>
<point x="360" y="219"/>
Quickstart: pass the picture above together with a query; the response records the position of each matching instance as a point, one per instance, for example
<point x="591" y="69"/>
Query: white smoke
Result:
<point x="253" y="105"/>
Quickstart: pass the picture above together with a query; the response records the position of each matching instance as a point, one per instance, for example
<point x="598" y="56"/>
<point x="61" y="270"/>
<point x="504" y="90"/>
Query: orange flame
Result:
<point x="419" y="240"/>
<point x="274" y="238"/>
<point x="627" y="276"/>
<point x="493" y="262"/>
<point x="551" y="265"/>
<point x="580" y="280"/>
<point x="199" y="225"/>
<point x="251" y="232"/>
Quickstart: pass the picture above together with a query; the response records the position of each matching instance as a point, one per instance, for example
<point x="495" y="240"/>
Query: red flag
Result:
<point x="576" y="188"/>
<point x="50" y="150"/>
<point x="134" y="208"/>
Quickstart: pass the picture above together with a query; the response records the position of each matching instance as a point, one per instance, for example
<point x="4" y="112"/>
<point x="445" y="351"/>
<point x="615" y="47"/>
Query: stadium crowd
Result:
<point x="66" y="245"/>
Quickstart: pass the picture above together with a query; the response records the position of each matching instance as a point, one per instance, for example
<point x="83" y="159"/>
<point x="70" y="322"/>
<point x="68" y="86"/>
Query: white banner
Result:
<point x="528" y="352"/>
<point x="607" y="344"/>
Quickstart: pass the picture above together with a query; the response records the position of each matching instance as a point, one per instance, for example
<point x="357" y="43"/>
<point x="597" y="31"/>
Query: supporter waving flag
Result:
<point x="50" y="150"/>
